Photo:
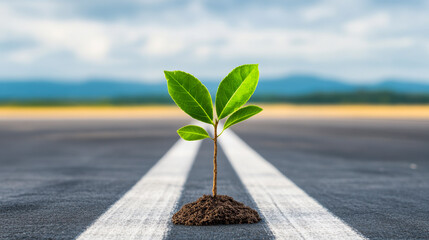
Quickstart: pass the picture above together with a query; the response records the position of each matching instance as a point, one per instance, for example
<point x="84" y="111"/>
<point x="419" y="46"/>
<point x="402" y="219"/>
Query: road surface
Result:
<point x="62" y="179"/>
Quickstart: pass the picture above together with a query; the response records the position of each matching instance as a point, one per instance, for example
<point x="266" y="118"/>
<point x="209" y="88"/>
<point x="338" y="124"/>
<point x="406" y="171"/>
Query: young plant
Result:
<point x="195" y="100"/>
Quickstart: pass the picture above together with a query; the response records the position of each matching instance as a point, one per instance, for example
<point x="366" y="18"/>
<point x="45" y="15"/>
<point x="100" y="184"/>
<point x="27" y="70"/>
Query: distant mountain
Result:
<point x="302" y="84"/>
<point x="81" y="90"/>
<point x="401" y="87"/>
<point x="103" y="89"/>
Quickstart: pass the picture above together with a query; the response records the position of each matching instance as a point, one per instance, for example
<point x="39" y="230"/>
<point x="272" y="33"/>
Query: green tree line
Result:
<point x="358" y="97"/>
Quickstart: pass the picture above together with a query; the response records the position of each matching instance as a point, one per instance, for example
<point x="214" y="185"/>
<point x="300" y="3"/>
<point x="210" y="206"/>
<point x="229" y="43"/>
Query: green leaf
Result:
<point x="190" y="95"/>
<point x="192" y="133"/>
<point x="241" y="115"/>
<point x="236" y="89"/>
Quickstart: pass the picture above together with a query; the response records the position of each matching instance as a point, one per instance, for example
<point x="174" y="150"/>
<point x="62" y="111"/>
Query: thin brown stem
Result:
<point x="215" y="160"/>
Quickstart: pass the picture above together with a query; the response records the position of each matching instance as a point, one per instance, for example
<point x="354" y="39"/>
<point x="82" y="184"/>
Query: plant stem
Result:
<point x="214" y="190"/>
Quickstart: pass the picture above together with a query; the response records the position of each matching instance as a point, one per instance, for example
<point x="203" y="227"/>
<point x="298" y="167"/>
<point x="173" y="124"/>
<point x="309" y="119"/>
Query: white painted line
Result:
<point x="288" y="210"/>
<point x="145" y="210"/>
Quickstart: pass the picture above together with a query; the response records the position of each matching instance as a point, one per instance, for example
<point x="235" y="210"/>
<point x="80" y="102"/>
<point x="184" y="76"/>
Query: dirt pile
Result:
<point x="208" y="210"/>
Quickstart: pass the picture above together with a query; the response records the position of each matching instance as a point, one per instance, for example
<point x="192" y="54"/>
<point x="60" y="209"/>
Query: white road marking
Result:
<point x="288" y="210"/>
<point x="145" y="210"/>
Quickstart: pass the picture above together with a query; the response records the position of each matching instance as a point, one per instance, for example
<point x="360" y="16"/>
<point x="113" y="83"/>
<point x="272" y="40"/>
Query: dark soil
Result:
<point x="208" y="210"/>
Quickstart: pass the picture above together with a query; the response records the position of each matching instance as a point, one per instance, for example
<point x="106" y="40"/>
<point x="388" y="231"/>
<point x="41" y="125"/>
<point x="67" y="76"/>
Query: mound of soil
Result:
<point x="209" y="210"/>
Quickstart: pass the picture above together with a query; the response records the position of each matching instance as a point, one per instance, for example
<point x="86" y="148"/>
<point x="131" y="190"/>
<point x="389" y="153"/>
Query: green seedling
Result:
<point x="195" y="100"/>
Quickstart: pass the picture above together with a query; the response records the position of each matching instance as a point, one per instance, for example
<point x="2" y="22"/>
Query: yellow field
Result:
<point x="270" y="111"/>
<point x="347" y="111"/>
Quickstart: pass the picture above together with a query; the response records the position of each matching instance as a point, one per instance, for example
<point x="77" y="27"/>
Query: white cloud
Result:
<point x="25" y="56"/>
<point x="160" y="45"/>
<point x="317" y="13"/>
<point x="369" y="24"/>
<point x="327" y="38"/>
<point x="85" y="39"/>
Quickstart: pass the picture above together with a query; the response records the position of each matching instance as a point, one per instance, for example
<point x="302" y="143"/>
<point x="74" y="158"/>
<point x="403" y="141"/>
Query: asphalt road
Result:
<point x="373" y="174"/>
<point x="57" y="177"/>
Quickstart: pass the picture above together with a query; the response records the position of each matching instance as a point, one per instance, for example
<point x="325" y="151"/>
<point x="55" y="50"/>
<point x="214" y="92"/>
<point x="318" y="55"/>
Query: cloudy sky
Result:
<point x="357" y="41"/>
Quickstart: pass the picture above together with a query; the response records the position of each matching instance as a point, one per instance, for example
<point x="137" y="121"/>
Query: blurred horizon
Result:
<point x="353" y="42"/>
<point x="300" y="89"/>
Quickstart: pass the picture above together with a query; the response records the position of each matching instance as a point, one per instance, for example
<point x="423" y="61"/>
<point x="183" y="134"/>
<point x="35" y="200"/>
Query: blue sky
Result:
<point x="359" y="41"/>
